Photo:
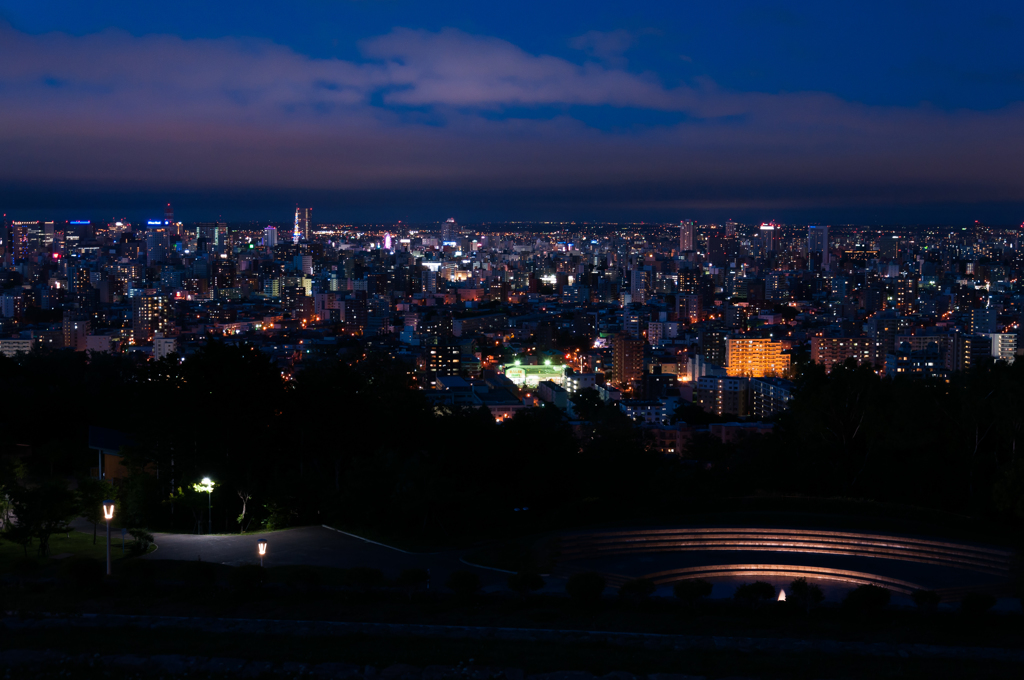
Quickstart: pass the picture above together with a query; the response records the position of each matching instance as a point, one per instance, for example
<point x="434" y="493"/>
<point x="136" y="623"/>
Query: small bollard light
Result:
<point x="108" y="514"/>
<point x="262" y="547"/>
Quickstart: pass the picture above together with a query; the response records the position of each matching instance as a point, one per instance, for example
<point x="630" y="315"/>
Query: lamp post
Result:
<point x="207" y="486"/>
<point x="261" y="545"/>
<point x="108" y="514"/>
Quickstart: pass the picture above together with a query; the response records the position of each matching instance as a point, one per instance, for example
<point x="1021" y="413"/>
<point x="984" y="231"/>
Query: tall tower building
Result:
<point x="768" y="237"/>
<point x="627" y="359"/>
<point x="168" y="214"/>
<point x="270" y="237"/>
<point x="687" y="236"/>
<point x="817" y="247"/>
<point x="303" y="224"/>
<point x="448" y="230"/>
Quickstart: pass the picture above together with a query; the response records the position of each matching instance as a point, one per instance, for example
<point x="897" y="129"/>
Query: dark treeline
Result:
<point x="348" y="443"/>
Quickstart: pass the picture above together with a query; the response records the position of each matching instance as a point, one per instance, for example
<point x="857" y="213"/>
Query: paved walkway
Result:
<point x="313" y="546"/>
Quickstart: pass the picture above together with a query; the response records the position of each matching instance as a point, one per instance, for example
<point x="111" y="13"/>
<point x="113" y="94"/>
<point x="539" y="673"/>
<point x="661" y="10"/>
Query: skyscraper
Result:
<point x="628" y="359"/>
<point x="768" y="237"/>
<point x="303" y="223"/>
<point x="270" y="236"/>
<point x="817" y="247"/>
<point x="687" y="236"/>
<point x="448" y="230"/>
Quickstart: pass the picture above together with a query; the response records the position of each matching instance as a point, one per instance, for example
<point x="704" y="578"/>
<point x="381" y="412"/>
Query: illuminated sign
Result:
<point x="152" y="222"/>
<point x="81" y="221"/>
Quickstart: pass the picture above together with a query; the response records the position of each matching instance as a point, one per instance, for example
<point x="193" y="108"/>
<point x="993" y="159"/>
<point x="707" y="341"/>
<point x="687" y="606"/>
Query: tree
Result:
<point x="926" y="600"/>
<point x="43" y="511"/>
<point x="804" y="594"/>
<point x="867" y="599"/>
<point x="691" y="590"/>
<point x="91" y="494"/>
<point x="755" y="593"/>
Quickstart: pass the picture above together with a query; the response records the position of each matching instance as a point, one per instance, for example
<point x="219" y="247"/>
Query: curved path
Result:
<point x="901" y="563"/>
<point x="313" y="546"/>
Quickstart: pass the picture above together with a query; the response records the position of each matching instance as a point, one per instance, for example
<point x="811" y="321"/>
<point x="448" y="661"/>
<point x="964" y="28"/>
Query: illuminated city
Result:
<point x="364" y="341"/>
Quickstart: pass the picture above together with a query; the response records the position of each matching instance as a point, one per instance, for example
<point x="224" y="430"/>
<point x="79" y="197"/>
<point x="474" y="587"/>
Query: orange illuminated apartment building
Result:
<point x="755" y="357"/>
<point x="831" y="351"/>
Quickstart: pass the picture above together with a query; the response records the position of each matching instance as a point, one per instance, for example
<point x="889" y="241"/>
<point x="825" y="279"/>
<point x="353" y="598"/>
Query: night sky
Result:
<point x="385" y="109"/>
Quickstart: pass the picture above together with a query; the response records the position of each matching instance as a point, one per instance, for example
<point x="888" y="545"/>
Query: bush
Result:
<point x="198" y="574"/>
<point x="637" y="588"/>
<point x="804" y="594"/>
<point x="691" y="590"/>
<point x="976" y="604"/>
<point x="279" y="516"/>
<point x="365" y="578"/>
<point x="754" y="593"/>
<point x="525" y="582"/>
<point x="140" y="546"/>
<point x="84" y="573"/>
<point x="867" y="599"/>
<point x="463" y="583"/>
<point x="926" y="600"/>
<point x="586" y="587"/>
<point x="248" y="578"/>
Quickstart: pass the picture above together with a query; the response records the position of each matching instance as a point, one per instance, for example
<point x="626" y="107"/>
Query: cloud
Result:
<point x="451" y="111"/>
<point x="607" y="46"/>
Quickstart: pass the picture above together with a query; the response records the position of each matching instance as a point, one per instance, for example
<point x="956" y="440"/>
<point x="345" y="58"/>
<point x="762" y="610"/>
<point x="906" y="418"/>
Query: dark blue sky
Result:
<point x="385" y="109"/>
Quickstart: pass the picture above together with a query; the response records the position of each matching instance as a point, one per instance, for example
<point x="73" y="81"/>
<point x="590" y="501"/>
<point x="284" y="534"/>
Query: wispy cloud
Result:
<point x="452" y="110"/>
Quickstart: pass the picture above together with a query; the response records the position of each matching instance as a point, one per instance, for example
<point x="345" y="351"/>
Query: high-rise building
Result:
<point x="627" y="359"/>
<point x="1004" y="346"/>
<point x="768" y="237"/>
<point x="831" y="351"/>
<point x="687" y="236"/>
<point x="755" y="357"/>
<point x="303" y="224"/>
<point x="150" y="316"/>
<point x="722" y="395"/>
<point x="983" y="321"/>
<point x="270" y="237"/>
<point x="638" y="286"/>
<point x="817" y="247"/>
<point x="448" y="229"/>
<point x="969" y="352"/>
<point x="168" y="215"/>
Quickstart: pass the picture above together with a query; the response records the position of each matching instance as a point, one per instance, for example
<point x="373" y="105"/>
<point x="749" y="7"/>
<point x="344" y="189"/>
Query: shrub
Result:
<point x="586" y="587"/>
<point x="463" y="583"/>
<point x="926" y="600"/>
<point x="804" y="594"/>
<point x="754" y="593"/>
<point x="637" y="588"/>
<point x="525" y="582"/>
<point x="84" y="573"/>
<point x="867" y="599"/>
<point x="975" y="604"/>
<point x="365" y="578"/>
<point x="248" y="578"/>
<point x="691" y="590"/>
<point x="140" y="546"/>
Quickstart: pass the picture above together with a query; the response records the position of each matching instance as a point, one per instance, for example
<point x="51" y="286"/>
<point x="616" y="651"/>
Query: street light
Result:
<point x="108" y="514"/>
<point x="207" y="485"/>
<point x="261" y="545"/>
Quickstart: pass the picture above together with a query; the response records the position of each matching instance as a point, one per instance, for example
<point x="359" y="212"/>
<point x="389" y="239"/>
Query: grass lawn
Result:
<point x="73" y="544"/>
